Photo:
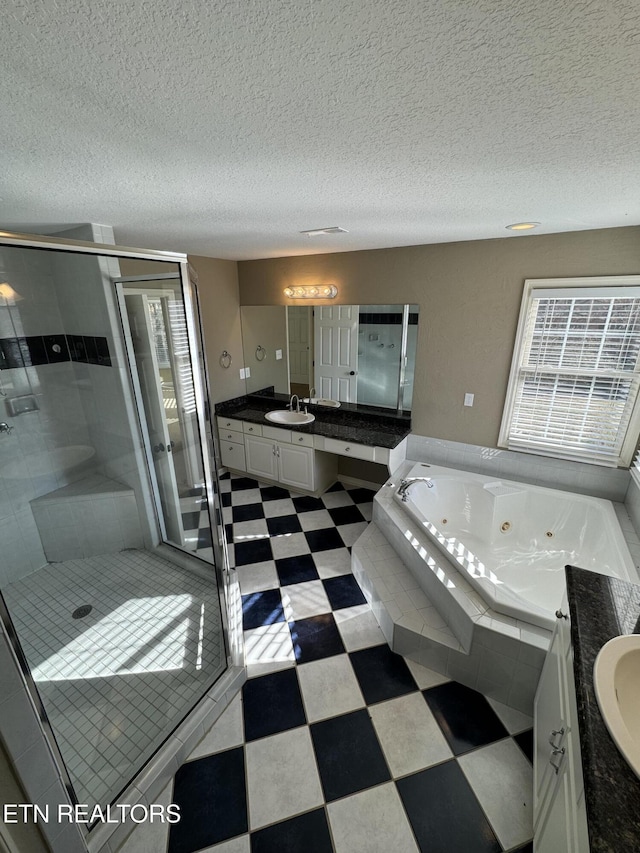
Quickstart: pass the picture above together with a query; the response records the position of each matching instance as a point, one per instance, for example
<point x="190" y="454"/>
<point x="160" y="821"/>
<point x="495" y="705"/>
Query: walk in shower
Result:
<point x="114" y="593"/>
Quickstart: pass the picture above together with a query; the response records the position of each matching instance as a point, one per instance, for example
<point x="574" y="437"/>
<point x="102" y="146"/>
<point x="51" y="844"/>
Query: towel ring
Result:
<point x="225" y="359"/>
<point x="261" y="353"/>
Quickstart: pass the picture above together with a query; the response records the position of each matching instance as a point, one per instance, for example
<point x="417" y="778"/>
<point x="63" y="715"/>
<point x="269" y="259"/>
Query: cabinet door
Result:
<point x="295" y="466"/>
<point x="554" y="834"/>
<point x="232" y="455"/>
<point x="550" y="717"/>
<point x="261" y="457"/>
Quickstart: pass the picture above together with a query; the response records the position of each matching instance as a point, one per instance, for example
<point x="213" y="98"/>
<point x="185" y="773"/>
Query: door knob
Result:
<point x="353" y="372"/>
<point x="158" y="448"/>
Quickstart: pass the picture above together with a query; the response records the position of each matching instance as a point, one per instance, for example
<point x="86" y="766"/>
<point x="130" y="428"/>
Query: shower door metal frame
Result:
<point x="200" y="380"/>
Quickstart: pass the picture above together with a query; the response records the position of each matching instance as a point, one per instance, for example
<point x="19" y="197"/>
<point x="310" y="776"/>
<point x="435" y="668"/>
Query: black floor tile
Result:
<point x="306" y="503"/>
<point x="225" y="476"/>
<point x="381" y="673"/>
<point x="190" y="520"/>
<point x="525" y="742"/>
<point x="528" y="848"/>
<point x="261" y="608"/>
<point x="204" y="538"/>
<point x="283" y="524"/>
<point x="274" y="493"/>
<point x="240" y="483"/>
<point x="271" y="704"/>
<point x="316" y="637"/>
<point x="211" y="793"/>
<point x="343" y="591"/>
<point x="349" y="755"/>
<point x="444" y="812"/>
<point x="226" y="498"/>
<point x="296" y="569"/>
<point x="248" y="512"/>
<point x="324" y="540"/>
<point x="228" y="532"/>
<point x="362" y="496"/>
<point x="464" y="715"/>
<point x="308" y="832"/>
<point x="345" y="515"/>
<point x="337" y="487"/>
<point x="256" y="551"/>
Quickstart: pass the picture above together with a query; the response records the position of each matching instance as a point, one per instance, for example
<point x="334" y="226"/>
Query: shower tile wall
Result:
<point x="28" y="468"/>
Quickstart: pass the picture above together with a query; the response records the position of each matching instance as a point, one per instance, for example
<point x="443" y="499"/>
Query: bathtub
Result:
<point x="512" y="541"/>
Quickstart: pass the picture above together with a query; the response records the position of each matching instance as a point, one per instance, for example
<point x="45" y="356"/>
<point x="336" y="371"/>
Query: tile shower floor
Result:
<point x="335" y="744"/>
<point x="117" y="681"/>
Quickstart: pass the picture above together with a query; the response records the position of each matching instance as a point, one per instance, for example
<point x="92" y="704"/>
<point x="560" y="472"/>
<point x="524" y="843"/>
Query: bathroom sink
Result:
<point x="322" y="401"/>
<point x="616" y="678"/>
<point x="284" y="416"/>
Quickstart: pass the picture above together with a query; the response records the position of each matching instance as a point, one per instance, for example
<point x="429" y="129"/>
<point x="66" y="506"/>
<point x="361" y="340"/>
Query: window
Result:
<point x="575" y="373"/>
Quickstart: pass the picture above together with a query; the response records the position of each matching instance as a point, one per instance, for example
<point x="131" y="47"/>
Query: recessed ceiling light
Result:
<point x="316" y="232"/>
<point x="522" y="226"/>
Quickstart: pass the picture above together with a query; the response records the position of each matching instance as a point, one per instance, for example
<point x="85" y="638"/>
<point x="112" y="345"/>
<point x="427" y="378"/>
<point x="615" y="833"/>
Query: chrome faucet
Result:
<point x="297" y="409"/>
<point x="405" y="485"/>
<point x="4" y="427"/>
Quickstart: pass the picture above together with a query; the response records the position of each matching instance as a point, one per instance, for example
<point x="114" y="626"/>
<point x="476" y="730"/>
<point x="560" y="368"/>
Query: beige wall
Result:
<point x="220" y="311"/>
<point x="469" y="296"/>
<point x="265" y="327"/>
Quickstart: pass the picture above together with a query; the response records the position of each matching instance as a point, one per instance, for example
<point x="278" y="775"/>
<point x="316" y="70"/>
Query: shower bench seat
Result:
<point x="94" y="515"/>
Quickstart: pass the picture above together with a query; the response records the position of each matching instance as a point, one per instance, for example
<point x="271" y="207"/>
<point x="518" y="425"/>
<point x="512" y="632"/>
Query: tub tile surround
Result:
<point x="596" y="480"/>
<point x="601" y="608"/>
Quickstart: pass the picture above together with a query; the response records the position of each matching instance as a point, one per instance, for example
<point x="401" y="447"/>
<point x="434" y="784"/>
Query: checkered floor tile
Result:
<point x="336" y="744"/>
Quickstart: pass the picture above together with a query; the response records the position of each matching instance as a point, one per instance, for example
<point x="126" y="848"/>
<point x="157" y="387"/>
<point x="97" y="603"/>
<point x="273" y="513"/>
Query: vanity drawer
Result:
<point x="304" y="439"/>
<point x="231" y="435"/>
<point x="348" y="448"/>
<point x="277" y="434"/>
<point x="229" y="423"/>
<point x="232" y="455"/>
<point x="251" y="429"/>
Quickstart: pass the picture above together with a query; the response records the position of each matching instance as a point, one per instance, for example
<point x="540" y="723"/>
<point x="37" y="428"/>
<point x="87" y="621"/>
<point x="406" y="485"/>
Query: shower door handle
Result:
<point x="158" y="448"/>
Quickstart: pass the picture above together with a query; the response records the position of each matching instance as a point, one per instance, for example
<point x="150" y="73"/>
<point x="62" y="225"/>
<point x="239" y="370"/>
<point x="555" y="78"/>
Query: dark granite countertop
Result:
<point x="359" y="424"/>
<point x="603" y="607"/>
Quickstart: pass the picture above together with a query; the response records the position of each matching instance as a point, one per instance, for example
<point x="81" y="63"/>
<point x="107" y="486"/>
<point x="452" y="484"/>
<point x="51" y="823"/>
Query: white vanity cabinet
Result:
<point x="560" y="819"/>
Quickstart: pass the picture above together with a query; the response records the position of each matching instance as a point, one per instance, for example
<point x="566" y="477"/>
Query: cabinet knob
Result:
<point x="561" y="615"/>
<point x="347" y="449"/>
<point x="300" y="439"/>
<point x="250" y="429"/>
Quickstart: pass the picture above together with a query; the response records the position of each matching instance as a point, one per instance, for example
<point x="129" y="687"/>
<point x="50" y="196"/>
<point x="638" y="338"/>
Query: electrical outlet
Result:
<point x="468" y="399"/>
<point x="278" y="354"/>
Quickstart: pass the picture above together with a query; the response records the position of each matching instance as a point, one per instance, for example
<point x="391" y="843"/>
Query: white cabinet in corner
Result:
<point x="560" y="819"/>
<point x="261" y="456"/>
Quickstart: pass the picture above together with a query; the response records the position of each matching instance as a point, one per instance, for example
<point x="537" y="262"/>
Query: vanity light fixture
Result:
<point x="311" y="291"/>
<point x="317" y="232"/>
<point x="522" y="226"/>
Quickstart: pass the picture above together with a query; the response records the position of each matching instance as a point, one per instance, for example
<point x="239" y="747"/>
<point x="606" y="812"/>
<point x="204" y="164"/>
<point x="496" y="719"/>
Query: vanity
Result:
<point x="305" y="457"/>
<point x="586" y="797"/>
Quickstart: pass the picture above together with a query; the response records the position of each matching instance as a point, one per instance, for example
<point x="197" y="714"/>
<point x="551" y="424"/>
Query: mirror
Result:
<point x="362" y="354"/>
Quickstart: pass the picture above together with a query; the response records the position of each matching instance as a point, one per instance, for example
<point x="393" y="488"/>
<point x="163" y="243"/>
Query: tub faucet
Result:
<point x="405" y="484"/>
<point x="297" y="399"/>
<point x="4" y="427"/>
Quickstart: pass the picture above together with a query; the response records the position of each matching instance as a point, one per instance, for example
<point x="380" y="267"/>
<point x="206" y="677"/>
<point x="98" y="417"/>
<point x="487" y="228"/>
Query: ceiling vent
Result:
<point x="317" y="232"/>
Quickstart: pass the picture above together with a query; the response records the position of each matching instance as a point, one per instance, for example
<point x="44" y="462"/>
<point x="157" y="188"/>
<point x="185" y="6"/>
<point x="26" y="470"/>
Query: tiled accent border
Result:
<point x="52" y="349"/>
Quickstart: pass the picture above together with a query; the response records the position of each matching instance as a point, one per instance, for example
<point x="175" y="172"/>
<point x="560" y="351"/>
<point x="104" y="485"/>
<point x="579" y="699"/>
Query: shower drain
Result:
<point x="82" y="611"/>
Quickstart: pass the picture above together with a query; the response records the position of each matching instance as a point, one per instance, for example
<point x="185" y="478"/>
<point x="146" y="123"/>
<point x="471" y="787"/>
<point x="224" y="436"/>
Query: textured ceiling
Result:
<point x="225" y="128"/>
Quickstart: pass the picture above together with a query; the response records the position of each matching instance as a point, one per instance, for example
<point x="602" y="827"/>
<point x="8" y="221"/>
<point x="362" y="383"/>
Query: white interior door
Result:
<point x="148" y="371"/>
<point x="336" y="352"/>
<point x="299" y="324"/>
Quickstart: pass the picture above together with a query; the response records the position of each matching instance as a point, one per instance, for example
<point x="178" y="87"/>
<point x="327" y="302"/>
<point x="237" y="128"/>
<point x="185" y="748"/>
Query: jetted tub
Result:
<point x="512" y="541"/>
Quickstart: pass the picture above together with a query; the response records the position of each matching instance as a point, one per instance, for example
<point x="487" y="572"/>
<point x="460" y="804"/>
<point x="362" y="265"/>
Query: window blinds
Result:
<point x="578" y="375"/>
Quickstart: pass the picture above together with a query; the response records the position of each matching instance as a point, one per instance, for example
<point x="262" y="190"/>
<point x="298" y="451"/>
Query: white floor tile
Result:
<point x="329" y="687"/>
<point x="249" y="531"/>
<point x="425" y="677"/>
<point x="226" y="732"/>
<point x="268" y="649"/>
<point x="350" y="533"/>
<point x="282" y="777"/>
<point x="358" y="627"/>
<point x="150" y="837"/>
<point x="334" y="499"/>
<point x="242" y="497"/>
<point x="514" y="721"/>
<point x="373" y="821"/>
<point x="318" y="519"/>
<point x="502" y="780"/>
<point x="283" y="506"/>
<point x="289" y="545"/>
<point x="332" y="563"/>
<point x="258" y="577"/>
<point x="301" y="600"/>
